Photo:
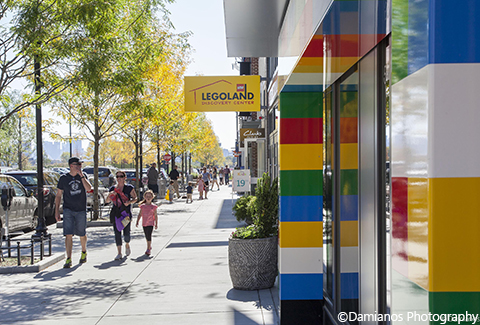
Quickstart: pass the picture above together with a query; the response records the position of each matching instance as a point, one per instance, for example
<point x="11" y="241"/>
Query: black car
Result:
<point x="50" y="180"/>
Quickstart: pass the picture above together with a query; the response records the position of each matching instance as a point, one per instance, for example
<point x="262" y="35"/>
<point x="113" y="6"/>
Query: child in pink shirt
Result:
<point x="148" y="211"/>
<point x="201" y="188"/>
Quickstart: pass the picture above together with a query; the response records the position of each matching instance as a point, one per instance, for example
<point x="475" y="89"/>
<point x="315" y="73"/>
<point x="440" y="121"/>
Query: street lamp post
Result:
<point x="41" y="228"/>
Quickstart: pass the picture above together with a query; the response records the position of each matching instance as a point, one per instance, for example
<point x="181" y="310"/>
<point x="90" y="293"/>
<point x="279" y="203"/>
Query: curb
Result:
<point x="37" y="267"/>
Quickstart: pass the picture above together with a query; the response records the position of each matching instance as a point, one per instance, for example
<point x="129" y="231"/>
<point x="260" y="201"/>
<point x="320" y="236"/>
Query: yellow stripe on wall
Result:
<point x="418" y="231"/>
<point x="340" y="64"/>
<point x="348" y="156"/>
<point x="301" y="157"/>
<point x="309" y="65"/>
<point x="454" y="240"/>
<point x="301" y="234"/>
<point x="348" y="233"/>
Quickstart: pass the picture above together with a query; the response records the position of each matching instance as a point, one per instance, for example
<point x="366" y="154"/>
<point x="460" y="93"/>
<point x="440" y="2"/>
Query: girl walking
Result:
<point x="201" y="188"/>
<point x="148" y="211"/>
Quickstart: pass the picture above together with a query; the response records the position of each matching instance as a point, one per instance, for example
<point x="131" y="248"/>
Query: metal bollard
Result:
<point x="19" y="261"/>
<point x="32" y="251"/>
<point x="49" y="244"/>
<point x="9" y="246"/>
<point x="41" y="248"/>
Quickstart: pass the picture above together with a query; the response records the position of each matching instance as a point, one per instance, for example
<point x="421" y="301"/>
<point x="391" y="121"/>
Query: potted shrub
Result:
<point x="243" y="208"/>
<point x="252" y="250"/>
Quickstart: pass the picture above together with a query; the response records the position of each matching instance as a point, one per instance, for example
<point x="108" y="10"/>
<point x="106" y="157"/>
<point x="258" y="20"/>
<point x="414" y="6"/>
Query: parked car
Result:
<point x="61" y="170"/>
<point x="106" y="175"/>
<point x="28" y="179"/>
<point x="132" y="177"/>
<point x="102" y="193"/>
<point x="23" y="210"/>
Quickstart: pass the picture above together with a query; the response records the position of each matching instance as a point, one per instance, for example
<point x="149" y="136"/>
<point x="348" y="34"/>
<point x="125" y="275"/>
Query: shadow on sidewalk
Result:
<point x="62" y="301"/>
<point x="226" y="219"/>
<point x="57" y="274"/>
<point x="250" y="296"/>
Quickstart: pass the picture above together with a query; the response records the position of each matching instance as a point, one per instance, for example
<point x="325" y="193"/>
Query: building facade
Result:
<point x="378" y="159"/>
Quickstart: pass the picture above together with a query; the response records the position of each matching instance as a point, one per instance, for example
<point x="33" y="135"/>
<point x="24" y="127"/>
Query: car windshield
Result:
<point x="130" y="174"/>
<point x="26" y="180"/>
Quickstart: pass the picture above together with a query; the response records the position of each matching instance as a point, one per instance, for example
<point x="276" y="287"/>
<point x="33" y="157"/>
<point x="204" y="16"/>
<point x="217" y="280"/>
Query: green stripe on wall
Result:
<point x="303" y="104"/>
<point x="454" y="303"/>
<point x="301" y="182"/>
<point x="349" y="181"/>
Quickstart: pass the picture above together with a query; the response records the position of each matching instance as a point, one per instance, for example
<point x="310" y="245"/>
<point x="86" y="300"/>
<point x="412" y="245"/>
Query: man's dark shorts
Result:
<point x="153" y="187"/>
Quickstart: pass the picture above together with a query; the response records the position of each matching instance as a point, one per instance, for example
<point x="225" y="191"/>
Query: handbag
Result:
<point x="122" y="221"/>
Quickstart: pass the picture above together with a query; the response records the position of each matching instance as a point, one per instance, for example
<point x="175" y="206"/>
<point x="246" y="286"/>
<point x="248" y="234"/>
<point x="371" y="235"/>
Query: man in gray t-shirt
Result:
<point x="152" y="175"/>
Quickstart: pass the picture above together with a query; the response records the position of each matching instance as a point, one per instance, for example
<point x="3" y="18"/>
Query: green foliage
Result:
<point x="249" y="232"/>
<point x="244" y="209"/>
<point x="262" y="208"/>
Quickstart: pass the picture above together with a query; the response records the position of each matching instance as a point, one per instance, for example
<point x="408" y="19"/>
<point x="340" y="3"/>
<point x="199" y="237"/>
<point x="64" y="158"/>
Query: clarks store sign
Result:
<point x="222" y="94"/>
<point x="251" y="134"/>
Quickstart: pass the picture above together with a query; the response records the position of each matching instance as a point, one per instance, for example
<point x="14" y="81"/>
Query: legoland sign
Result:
<point x="222" y="94"/>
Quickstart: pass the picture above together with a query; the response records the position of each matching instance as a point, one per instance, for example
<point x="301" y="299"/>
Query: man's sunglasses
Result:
<point x="120" y="176"/>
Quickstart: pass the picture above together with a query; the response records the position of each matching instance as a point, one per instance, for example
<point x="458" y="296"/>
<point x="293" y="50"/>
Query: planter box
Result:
<point x="253" y="262"/>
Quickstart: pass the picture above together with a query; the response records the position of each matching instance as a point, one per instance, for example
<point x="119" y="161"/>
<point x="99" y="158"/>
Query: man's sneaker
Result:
<point x="83" y="258"/>
<point x="118" y="257"/>
<point x="128" y="251"/>
<point x="148" y="252"/>
<point x="68" y="263"/>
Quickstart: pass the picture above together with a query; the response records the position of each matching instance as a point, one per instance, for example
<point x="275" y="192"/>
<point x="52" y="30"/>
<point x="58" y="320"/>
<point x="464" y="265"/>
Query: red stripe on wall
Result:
<point x="314" y="48"/>
<point x="399" y="194"/>
<point x="301" y="130"/>
<point x="342" y="45"/>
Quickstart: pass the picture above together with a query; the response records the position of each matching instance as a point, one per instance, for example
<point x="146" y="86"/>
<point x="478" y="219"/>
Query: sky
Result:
<point x="205" y="19"/>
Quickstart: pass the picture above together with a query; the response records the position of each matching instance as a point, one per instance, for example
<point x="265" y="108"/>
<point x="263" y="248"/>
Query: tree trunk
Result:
<point x="137" y="151"/>
<point x="20" y="166"/>
<point x="96" y="149"/>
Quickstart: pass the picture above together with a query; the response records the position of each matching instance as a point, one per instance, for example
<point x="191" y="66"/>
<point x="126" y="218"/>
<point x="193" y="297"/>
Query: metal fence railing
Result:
<point x="31" y="247"/>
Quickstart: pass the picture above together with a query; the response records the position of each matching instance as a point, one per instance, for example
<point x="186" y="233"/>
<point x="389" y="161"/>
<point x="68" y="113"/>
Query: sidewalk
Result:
<point x="185" y="281"/>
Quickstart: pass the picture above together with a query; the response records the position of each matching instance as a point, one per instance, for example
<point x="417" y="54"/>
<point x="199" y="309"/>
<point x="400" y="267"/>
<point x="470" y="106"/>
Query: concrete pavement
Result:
<point x="184" y="281"/>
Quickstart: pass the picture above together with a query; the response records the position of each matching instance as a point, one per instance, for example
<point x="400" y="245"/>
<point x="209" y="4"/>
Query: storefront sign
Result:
<point x="241" y="180"/>
<point x="222" y="94"/>
<point x="251" y="134"/>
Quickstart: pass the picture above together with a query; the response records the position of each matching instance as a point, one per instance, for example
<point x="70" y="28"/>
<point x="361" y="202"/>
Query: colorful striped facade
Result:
<point x="434" y="155"/>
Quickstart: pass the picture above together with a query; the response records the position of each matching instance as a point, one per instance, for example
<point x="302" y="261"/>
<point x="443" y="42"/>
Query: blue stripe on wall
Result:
<point x="349" y="285"/>
<point x="301" y="208"/>
<point x="302" y="88"/>
<point x="454" y="31"/>
<point x="301" y="286"/>
<point x="348" y="207"/>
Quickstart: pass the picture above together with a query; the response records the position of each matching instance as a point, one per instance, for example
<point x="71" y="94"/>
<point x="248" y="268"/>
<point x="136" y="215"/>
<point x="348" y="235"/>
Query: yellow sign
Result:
<point x="222" y="94"/>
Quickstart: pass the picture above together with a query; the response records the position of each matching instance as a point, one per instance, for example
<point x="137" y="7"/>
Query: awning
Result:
<point x="252" y="27"/>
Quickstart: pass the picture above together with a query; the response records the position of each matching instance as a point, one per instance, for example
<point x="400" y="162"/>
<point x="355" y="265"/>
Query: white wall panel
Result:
<point x="301" y="260"/>
<point x="454" y="118"/>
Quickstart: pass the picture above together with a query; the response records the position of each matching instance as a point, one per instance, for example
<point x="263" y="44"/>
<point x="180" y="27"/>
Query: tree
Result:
<point x="117" y="45"/>
<point x="16" y="135"/>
